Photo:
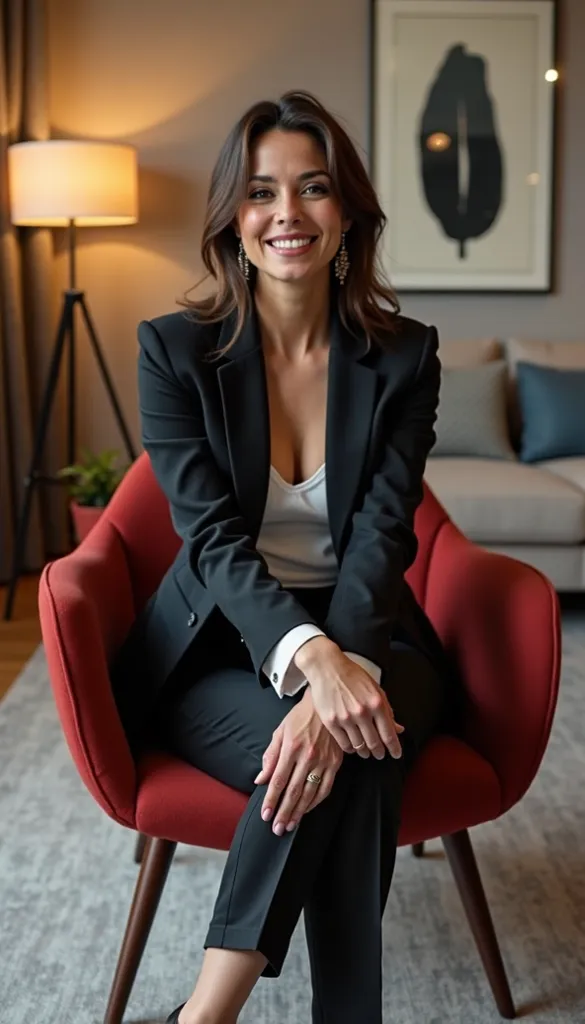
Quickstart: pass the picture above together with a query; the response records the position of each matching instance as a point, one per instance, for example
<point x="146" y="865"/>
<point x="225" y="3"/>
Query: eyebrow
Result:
<point x="302" y="177"/>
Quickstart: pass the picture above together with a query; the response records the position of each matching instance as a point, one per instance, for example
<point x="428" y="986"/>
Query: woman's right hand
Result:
<point x="351" y="705"/>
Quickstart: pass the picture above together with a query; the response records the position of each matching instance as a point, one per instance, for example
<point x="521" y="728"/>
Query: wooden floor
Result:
<point x="22" y="634"/>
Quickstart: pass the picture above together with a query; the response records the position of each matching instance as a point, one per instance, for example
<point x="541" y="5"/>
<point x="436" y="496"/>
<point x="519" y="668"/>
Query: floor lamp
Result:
<point x="68" y="184"/>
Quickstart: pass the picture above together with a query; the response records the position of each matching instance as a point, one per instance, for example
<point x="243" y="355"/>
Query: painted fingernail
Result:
<point x="257" y="777"/>
<point x="267" y="813"/>
<point x="291" y="825"/>
<point x="278" y="828"/>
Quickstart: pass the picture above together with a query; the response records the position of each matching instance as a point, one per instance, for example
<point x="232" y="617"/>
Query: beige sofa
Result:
<point x="534" y="512"/>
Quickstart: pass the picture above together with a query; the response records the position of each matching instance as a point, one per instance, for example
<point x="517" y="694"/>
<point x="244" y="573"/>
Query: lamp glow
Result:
<point x="54" y="183"/>
<point x="70" y="184"/>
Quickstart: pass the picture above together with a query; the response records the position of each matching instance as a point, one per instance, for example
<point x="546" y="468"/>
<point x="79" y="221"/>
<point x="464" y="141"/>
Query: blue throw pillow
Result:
<point x="552" y="403"/>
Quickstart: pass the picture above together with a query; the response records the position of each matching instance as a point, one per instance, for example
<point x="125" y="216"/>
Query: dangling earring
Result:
<point x="341" y="261"/>
<point x="243" y="261"/>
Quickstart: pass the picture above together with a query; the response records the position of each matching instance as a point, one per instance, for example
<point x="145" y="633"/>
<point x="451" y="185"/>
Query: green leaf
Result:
<point x="93" y="480"/>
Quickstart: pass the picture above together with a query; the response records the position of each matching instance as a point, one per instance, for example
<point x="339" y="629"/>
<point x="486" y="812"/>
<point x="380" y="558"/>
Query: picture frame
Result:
<point x="462" y="142"/>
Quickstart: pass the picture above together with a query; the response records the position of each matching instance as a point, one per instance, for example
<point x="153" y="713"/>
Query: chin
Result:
<point x="295" y="274"/>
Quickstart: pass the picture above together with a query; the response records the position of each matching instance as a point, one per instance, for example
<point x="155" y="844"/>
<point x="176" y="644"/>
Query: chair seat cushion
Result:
<point x="450" y="787"/>
<point x="499" y="502"/>
<point x="176" y="801"/>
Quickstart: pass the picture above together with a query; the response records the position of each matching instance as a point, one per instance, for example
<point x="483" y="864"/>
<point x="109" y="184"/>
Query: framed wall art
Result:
<point x="462" y="142"/>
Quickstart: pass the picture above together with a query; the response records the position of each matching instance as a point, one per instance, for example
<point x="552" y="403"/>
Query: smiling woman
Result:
<point x="291" y="163"/>
<point x="288" y="420"/>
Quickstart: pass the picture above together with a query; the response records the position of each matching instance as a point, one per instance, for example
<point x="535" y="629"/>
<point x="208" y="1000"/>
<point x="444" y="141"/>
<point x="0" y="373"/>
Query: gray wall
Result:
<point x="171" y="77"/>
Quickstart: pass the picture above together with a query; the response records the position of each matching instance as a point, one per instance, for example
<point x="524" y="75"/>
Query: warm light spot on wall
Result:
<point x="533" y="179"/>
<point x="144" y="72"/>
<point x="551" y="75"/>
<point x="438" y="142"/>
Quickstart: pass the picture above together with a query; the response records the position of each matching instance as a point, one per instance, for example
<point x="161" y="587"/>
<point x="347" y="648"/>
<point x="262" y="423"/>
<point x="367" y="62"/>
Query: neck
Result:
<point x="293" y="316"/>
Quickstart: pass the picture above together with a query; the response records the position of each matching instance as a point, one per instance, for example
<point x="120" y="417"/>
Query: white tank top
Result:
<point x="294" y="537"/>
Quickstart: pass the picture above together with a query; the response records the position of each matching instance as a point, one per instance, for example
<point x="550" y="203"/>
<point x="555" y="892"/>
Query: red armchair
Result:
<point x="498" y="617"/>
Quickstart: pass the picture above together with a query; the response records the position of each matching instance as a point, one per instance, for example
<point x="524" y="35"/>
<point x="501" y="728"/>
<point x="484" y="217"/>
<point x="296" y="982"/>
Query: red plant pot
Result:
<point x="84" y="518"/>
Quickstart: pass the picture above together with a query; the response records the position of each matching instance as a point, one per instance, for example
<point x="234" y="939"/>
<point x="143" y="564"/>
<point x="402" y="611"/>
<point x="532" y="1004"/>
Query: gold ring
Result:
<point x="360" y="745"/>
<point x="314" y="778"/>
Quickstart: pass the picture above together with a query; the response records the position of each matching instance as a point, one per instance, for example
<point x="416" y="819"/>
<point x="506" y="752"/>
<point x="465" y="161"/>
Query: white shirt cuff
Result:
<point x="286" y="678"/>
<point x="279" y="666"/>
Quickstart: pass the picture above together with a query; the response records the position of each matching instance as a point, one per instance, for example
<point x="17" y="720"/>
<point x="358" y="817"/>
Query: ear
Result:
<point x="346" y="224"/>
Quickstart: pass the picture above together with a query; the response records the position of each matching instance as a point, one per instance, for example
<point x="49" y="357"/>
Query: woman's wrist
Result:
<point x="313" y="653"/>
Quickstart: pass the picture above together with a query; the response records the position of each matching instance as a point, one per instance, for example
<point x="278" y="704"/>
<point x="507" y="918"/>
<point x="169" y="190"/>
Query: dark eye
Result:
<point x="320" y="189"/>
<point x="257" y="194"/>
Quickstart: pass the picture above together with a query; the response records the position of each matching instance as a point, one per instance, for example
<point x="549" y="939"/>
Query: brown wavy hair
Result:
<point x="365" y="288"/>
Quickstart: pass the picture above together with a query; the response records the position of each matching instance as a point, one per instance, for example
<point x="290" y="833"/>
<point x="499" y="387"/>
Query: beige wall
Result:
<point x="171" y="77"/>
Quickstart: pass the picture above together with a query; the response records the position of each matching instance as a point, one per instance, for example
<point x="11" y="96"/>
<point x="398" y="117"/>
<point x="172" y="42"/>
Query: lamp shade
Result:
<point x="52" y="183"/>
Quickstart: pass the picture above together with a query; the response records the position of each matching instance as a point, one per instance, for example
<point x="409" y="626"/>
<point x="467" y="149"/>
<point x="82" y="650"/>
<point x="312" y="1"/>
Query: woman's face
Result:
<point x="290" y="223"/>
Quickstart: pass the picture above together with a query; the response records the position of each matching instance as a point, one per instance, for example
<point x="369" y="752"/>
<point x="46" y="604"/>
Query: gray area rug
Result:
<point x="67" y="875"/>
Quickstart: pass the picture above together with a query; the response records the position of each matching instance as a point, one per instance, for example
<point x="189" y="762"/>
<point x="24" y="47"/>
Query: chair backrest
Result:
<point x="139" y="512"/>
<point x="430" y="517"/>
<point x="86" y="607"/>
<point x="88" y="601"/>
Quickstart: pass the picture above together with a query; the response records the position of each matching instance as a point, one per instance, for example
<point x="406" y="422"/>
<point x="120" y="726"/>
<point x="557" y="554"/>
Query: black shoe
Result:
<point x="174" y="1017"/>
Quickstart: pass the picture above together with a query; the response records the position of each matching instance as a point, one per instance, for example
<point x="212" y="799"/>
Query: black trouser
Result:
<point x="337" y="864"/>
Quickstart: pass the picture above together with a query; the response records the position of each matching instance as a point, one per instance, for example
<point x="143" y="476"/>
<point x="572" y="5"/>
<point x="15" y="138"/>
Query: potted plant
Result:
<point x="92" y="482"/>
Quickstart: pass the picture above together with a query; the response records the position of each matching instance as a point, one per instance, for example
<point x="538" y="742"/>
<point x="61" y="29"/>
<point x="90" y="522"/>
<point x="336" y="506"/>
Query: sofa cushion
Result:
<point x="498" y="502"/>
<point x="567" y="355"/>
<point x="462" y="352"/>
<point x="562" y="564"/>
<point x="472" y="417"/>
<point x="552" y="407"/>
<point x="572" y="470"/>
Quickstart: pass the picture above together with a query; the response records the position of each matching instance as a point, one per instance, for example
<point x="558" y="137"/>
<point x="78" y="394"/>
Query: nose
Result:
<point x="288" y="208"/>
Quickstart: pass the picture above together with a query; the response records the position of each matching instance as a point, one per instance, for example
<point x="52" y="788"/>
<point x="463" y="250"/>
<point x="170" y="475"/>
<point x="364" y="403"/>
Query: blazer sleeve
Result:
<point x="204" y="509"/>
<point x="382" y="542"/>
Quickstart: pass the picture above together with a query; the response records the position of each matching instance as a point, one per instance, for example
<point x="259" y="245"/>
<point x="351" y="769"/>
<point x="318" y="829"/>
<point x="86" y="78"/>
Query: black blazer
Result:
<point x="206" y="429"/>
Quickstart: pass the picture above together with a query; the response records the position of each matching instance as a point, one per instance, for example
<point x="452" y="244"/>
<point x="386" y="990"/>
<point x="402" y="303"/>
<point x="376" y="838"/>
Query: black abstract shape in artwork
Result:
<point x="458" y="129"/>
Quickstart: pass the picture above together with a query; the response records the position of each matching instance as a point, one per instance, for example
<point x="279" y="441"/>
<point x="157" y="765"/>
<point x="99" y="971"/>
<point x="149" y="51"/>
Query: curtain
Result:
<point x="26" y="300"/>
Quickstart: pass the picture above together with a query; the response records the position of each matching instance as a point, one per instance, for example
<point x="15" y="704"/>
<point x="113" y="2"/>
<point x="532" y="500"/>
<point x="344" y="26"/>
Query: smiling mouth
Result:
<point x="295" y="245"/>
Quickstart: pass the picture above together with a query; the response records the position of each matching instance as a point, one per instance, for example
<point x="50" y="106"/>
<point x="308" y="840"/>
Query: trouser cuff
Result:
<point x="246" y="938"/>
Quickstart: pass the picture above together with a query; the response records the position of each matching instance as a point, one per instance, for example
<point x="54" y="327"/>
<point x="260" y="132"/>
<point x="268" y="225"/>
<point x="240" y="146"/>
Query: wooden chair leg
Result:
<point x="418" y="849"/>
<point x="141" y="841"/>
<point x="149" y="886"/>
<point x="465" y="871"/>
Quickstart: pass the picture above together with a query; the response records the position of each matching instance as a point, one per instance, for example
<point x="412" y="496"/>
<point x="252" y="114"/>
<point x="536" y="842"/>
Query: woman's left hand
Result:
<point x="301" y="744"/>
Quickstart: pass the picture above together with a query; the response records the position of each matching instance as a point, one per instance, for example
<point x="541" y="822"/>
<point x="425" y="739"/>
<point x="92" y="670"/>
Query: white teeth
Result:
<point x="294" y="243"/>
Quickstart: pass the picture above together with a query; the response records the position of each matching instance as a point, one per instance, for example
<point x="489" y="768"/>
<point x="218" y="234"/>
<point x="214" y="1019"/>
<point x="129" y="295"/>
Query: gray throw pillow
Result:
<point x="472" y="418"/>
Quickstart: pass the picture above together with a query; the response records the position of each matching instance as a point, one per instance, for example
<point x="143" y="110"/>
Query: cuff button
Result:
<point x="192" y="619"/>
<point x="275" y="677"/>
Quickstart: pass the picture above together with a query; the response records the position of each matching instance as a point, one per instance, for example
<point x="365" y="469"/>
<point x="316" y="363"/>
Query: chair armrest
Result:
<point x="500" y="620"/>
<point x="86" y="608"/>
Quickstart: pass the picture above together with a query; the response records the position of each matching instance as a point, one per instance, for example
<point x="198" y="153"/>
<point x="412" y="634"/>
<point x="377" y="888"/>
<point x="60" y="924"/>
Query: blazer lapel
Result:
<point x="351" y="397"/>
<point x="244" y="395"/>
